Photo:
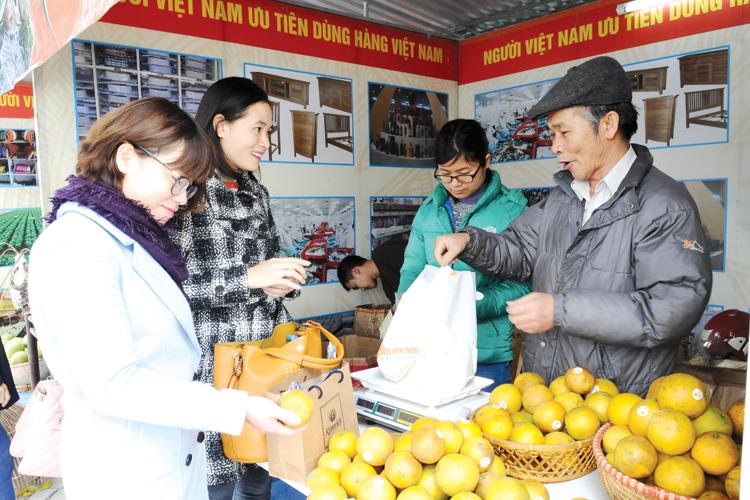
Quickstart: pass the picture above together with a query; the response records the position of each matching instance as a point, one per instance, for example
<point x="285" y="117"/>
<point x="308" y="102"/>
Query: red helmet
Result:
<point x="725" y="335"/>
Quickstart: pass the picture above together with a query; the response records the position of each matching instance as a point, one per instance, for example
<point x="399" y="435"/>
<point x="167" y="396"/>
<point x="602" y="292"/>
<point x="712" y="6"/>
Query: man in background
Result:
<point x="358" y="273"/>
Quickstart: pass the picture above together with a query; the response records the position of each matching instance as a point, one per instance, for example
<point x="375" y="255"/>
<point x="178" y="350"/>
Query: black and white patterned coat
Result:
<point x="235" y="231"/>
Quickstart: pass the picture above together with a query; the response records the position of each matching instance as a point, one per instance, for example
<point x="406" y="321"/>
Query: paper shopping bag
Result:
<point x="431" y="343"/>
<point x="293" y="457"/>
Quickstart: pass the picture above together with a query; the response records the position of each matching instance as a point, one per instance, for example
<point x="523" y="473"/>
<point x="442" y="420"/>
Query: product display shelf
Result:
<point x="109" y="76"/>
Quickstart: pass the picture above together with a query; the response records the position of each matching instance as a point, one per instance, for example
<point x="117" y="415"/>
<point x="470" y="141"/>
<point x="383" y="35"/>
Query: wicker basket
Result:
<point x="548" y="463"/>
<point x="622" y="487"/>
<point x="8" y="419"/>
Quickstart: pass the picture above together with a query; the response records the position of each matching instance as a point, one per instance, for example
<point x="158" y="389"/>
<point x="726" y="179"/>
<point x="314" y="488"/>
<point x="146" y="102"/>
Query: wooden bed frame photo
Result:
<point x="702" y="100"/>
<point x="335" y="125"/>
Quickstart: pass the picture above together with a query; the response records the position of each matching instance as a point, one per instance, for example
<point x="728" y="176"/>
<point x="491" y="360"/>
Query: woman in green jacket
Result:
<point x="469" y="193"/>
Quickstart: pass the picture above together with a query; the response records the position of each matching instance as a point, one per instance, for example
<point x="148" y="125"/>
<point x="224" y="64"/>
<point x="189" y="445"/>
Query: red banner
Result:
<point x="298" y="30"/>
<point x="591" y="30"/>
<point x="18" y="102"/>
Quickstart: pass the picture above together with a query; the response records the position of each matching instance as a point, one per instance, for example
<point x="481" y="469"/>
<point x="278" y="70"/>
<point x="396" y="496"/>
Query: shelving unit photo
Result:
<point x="108" y="76"/>
<point x="391" y="217"/>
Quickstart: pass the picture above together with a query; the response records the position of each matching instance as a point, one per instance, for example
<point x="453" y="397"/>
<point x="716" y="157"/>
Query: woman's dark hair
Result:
<point x="461" y="139"/>
<point x="229" y="97"/>
<point x="156" y="125"/>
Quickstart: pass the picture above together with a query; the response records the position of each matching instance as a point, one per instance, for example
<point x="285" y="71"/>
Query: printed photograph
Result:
<point x="711" y="197"/>
<point x="391" y="218"/>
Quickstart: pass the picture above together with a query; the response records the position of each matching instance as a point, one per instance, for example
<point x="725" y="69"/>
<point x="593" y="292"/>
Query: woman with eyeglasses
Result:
<point x="237" y="281"/>
<point x="469" y="193"/>
<point x="106" y="295"/>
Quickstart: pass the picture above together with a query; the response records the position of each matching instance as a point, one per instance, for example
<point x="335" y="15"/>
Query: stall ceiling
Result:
<point x="454" y="19"/>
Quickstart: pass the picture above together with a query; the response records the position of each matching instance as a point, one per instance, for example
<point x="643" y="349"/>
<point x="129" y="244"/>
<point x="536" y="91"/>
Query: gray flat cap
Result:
<point x="598" y="81"/>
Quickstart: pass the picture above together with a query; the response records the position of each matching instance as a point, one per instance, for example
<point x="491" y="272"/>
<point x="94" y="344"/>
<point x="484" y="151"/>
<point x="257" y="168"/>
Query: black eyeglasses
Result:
<point x="181" y="184"/>
<point x="462" y="178"/>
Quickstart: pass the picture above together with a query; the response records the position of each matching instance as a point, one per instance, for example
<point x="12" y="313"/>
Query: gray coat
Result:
<point x="628" y="285"/>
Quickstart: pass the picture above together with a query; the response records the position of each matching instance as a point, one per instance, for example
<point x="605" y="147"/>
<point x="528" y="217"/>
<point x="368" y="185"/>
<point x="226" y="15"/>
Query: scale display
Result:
<point x="386" y="414"/>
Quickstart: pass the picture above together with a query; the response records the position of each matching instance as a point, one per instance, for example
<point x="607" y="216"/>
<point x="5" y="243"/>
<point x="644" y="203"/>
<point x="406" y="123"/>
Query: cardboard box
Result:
<point x="360" y="353"/>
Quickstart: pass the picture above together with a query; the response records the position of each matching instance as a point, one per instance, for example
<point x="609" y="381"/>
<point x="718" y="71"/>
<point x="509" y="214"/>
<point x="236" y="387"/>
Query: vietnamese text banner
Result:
<point x="18" y="102"/>
<point x="298" y="30"/>
<point x="591" y="30"/>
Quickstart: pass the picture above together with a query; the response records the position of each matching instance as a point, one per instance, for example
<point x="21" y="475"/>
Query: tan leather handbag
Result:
<point x="255" y="366"/>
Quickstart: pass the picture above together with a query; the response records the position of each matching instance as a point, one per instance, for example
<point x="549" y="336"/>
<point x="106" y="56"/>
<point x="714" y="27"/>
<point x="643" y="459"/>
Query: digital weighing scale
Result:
<point x="387" y="404"/>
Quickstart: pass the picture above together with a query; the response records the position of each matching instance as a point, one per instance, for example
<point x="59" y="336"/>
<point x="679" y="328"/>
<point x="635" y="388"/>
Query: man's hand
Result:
<point x="533" y="313"/>
<point x="448" y="247"/>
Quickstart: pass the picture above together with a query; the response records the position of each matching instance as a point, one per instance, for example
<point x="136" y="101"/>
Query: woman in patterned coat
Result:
<point x="237" y="281"/>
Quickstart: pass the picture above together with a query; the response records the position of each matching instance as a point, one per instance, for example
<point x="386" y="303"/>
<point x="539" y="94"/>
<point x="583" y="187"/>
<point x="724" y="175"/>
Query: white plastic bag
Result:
<point x="431" y="343"/>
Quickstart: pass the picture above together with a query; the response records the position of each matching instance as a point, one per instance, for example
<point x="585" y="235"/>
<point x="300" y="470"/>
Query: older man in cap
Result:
<point x="616" y="253"/>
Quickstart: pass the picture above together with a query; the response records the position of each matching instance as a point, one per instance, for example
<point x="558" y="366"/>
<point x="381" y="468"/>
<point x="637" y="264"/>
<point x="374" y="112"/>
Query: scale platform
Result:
<point x="386" y="403"/>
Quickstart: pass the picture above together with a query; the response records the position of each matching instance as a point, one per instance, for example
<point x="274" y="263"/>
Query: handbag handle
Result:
<point x="310" y="361"/>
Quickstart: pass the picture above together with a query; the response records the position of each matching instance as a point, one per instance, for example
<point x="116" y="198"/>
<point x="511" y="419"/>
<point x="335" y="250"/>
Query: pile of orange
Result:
<point x="674" y="440"/>
<point x="434" y="460"/>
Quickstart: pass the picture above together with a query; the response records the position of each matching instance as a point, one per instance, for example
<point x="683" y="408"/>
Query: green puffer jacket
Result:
<point x="496" y="208"/>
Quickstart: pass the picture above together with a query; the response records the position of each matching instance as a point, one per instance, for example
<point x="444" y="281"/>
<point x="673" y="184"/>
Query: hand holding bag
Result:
<point x="37" y="438"/>
<point x="256" y="366"/>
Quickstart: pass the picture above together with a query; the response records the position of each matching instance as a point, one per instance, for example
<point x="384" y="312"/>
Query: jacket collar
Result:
<point x="625" y="201"/>
<point x="155" y="276"/>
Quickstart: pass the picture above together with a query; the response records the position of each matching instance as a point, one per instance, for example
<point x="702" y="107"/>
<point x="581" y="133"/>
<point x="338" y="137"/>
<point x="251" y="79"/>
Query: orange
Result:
<point x="334" y="460"/>
<point x="468" y="428"/>
<point x="599" y="403"/>
<point x="403" y="442"/>
<point x="526" y="433"/>
<point x="526" y="379"/>
<point x="557" y="438"/>
<point x="455" y="473"/>
<point x="613" y="435"/>
<point x="497" y="467"/>
<point x="328" y="491"/>
<point x="683" y="392"/>
<point x="581" y="423"/>
<point x="452" y="436"/>
<point x="497" y="426"/>
<point x="535" y="489"/>
<point x="352" y="476"/>
<point x="579" y="379"/>
<point x="732" y="483"/>
<point x="548" y="416"/>
<point x="653" y="389"/>
<point x="569" y="400"/>
<point x="484" y="482"/>
<point x="320" y="476"/>
<point x="376" y="488"/>
<point x="713" y="495"/>
<point x="466" y="495"/>
<point x="605" y="385"/>
<point x="635" y="456"/>
<point x="507" y="396"/>
<point x="521" y="417"/>
<point x="535" y="395"/>
<point x="374" y="445"/>
<point x="429" y="484"/>
<point x="402" y="469"/>
<point x="299" y="402"/>
<point x="414" y="493"/>
<point x="716" y="453"/>
<point x="480" y="451"/>
<point x="507" y="488"/>
<point x="640" y="415"/>
<point x="680" y="475"/>
<point x="671" y="432"/>
<point x="427" y="445"/>
<point x="487" y="411"/>
<point x="423" y="422"/>
<point x="344" y="441"/>
<point x="620" y="406"/>
<point x="713" y="420"/>
<point x="558" y="386"/>
<point x="737" y="415"/>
